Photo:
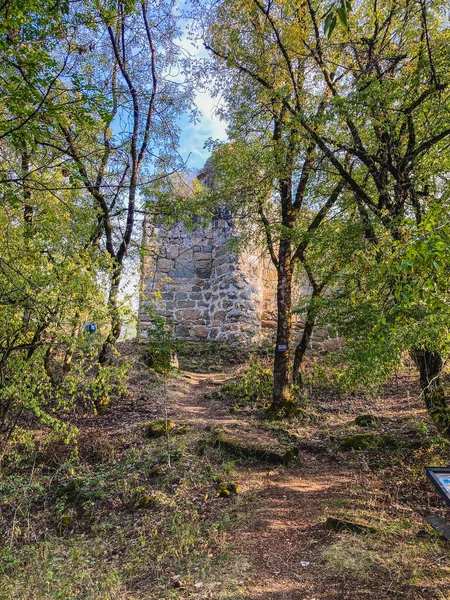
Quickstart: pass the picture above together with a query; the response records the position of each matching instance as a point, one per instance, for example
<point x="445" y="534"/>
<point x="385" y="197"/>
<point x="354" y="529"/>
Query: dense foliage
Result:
<point x="336" y="167"/>
<point x="363" y="107"/>
<point x="88" y="122"/>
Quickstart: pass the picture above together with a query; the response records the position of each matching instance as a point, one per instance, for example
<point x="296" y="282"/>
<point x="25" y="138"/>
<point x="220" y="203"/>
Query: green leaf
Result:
<point x="330" y="24"/>
<point x="342" y="14"/>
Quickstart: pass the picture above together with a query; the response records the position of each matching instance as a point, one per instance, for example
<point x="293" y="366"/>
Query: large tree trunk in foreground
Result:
<point x="430" y="367"/>
<point x="282" y="401"/>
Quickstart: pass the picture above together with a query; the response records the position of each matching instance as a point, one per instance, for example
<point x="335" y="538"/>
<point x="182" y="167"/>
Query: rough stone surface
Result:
<point x="340" y="525"/>
<point x="208" y="292"/>
<point x="366" y="421"/>
<point x="204" y="290"/>
<point x="158" y="428"/>
<point x="358" y="441"/>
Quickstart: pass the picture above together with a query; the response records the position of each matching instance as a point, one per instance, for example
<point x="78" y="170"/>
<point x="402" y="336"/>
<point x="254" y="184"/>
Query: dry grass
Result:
<point x="111" y="518"/>
<point x="132" y="527"/>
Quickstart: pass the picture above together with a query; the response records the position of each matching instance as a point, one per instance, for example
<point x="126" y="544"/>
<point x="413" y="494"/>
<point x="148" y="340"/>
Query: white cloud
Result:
<point x="209" y="125"/>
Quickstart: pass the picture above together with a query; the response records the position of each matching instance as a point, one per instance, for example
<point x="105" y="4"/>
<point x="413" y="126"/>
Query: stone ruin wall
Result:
<point x="207" y="292"/>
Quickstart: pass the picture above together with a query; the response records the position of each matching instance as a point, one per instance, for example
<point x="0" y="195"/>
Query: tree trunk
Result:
<point x="116" y="323"/>
<point x="282" y="401"/>
<point x="302" y="346"/>
<point x="430" y="368"/>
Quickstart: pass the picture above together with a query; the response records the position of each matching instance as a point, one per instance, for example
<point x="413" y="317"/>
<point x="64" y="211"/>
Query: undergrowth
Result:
<point x="108" y="516"/>
<point x="252" y="387"/>
<point x="114" y="526"/>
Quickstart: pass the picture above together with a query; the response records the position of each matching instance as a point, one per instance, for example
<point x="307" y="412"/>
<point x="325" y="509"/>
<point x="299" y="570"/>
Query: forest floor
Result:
<point x="280" y="531"/>
<point x="128" y="517"/>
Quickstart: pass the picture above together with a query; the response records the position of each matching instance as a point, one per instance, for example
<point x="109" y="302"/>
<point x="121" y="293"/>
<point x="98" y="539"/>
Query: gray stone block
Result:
<point x="182" y="330"/>
<point x="220" y="260"/>
<point x="200" y="256"/>
<point x="183" y="269"/>
<point x="164" y="264"/>
<point x="220" y="251"/>
<point x="191" y="314"/>
<point x="181" y="296"/>
<point x="246" y="294"/>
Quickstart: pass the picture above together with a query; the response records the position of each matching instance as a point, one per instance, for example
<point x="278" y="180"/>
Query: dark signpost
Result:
<point x="440" y="478"/>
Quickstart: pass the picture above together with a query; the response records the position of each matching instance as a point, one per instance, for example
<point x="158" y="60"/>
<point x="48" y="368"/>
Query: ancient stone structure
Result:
<point x="205" y="290"/>
<point x="208" y="292"/>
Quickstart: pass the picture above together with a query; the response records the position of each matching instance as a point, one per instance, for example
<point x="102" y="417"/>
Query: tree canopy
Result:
<point x="367" y="102"/>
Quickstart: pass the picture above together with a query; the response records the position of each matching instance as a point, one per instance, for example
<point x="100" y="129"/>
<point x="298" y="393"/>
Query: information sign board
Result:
<point x="440" y="478"/>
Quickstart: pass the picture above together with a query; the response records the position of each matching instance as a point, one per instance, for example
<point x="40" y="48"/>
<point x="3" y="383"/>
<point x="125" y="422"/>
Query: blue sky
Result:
<point x="194" y="135"/>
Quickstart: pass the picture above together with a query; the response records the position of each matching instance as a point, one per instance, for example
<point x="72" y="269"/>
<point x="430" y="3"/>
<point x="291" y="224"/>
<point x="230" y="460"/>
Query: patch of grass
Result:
<point x="399" y="562"/>
<point x="114" y="529"/>
<point x="60" y="569"/>
<point x="405" y="555"/>
<point x="349" y="558"/>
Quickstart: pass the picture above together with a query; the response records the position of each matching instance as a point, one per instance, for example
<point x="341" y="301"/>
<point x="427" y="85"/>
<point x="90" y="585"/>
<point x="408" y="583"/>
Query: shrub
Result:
<point x="161" y="346"/>
<point x="253" y="386"/>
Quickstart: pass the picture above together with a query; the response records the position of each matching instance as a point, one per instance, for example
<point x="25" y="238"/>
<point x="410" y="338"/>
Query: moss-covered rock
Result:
<point x="366" y="421"/>
<point x="365" y="441"/>
<point x="158" y="428"/>
<point x="358" y="441"/>
<point x="227" y="489"/>
<point x="246" y="444"/>
<point x="386" y="442"/>
<point x="182" y="430"/>
<point x="340" y="525"/>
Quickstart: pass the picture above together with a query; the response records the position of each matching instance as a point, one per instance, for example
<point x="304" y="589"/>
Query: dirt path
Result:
<point x="281" y="527"/>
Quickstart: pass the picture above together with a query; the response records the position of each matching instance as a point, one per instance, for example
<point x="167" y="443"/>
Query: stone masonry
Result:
<point x="202" y="288"/>
<point x="208" y="292"/>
